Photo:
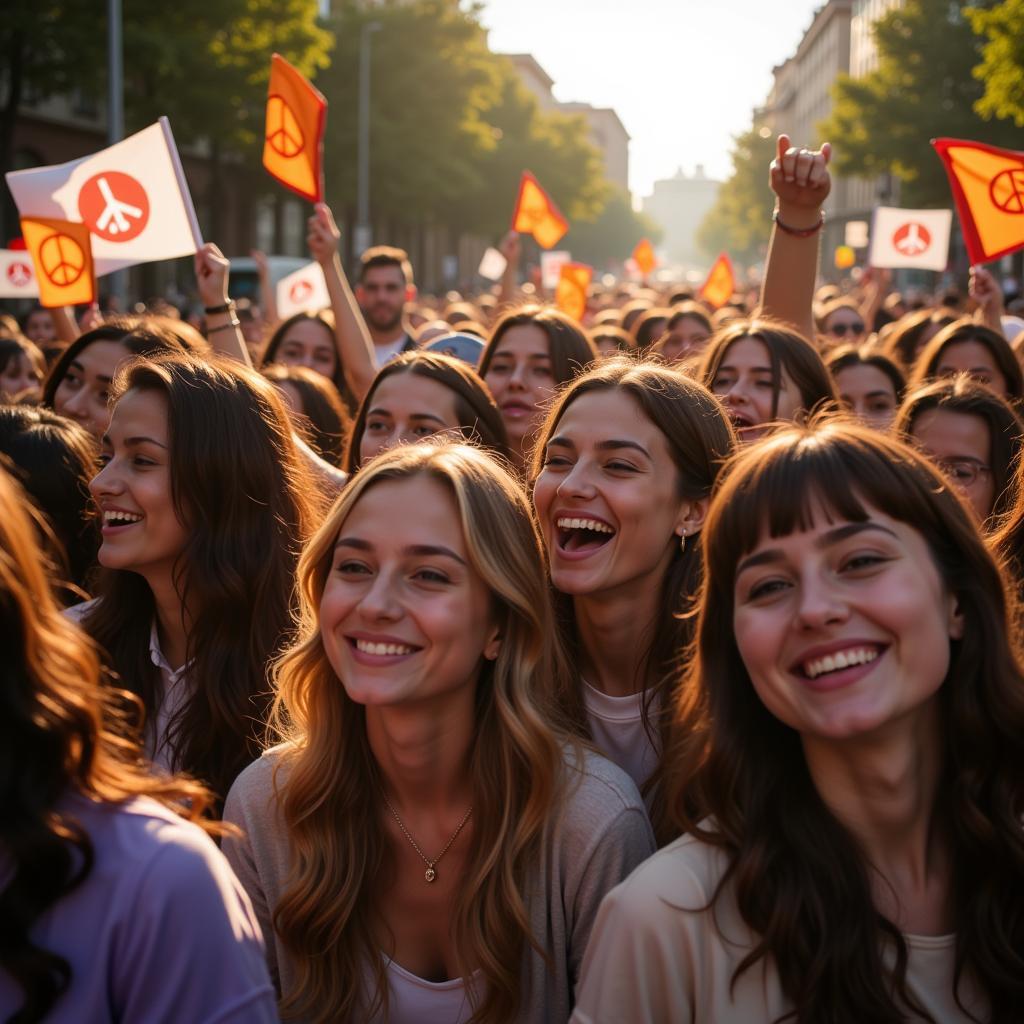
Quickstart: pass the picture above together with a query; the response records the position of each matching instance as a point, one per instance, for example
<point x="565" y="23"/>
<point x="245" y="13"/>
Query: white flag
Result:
<point x="551" y="263"/>
<point x="303" y="289"/>
<point x="910" y="238"/>
<point x="17" y="278"/>
<point x="492" y="265"/>
<point x="133" y="195"/>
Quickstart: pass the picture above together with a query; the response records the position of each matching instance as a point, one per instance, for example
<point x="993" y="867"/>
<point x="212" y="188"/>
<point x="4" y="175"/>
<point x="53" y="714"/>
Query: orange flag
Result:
<point x="988" y="189"/>
<point x="62" y="257"/>
<point x="571" y="293"/>
<point x="644" y="256"/>
<point x="537" y="215"/>
<point x="294" y="133"/>
<point x="721" y="283"/>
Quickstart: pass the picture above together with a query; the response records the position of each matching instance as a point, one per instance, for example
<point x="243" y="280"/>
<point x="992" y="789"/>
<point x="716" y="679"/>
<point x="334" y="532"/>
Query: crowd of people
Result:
<point x="445" y="659"/>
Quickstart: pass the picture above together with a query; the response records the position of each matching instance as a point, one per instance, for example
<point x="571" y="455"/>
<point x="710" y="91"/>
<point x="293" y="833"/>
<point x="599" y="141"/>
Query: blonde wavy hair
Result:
<point x="330" y="792"/>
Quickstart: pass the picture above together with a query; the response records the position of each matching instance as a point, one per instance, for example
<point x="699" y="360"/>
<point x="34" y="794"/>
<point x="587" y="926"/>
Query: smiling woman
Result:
<point x="853" y="712"/>
<point x="426" y="845"/>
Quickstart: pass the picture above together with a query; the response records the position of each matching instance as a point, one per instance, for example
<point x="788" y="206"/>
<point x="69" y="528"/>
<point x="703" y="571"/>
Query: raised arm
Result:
<point x="985" y="291"/>
<point x="268" y="300"/>
<point x="801" y="182"/>
<point x="63" y="318"/>
<point x="352" y="339"/>
<point x="222" y="326"/>
<point x="509" y="280"/>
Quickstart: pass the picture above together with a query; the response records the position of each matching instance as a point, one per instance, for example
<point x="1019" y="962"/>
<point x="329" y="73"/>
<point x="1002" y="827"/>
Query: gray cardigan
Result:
<point x="601" y="834"/>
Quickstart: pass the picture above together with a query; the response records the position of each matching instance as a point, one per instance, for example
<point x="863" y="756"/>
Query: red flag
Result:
<point x="721" y="283"/>
<point x="294" y="133"/>
<point x="573" y="284"/>
<point x="644" y="257"/>
<point x="537" y="215"/>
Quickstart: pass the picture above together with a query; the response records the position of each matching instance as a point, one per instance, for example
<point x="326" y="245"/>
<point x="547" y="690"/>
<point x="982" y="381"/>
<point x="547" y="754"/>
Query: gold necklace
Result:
<point x="430" y="874"/>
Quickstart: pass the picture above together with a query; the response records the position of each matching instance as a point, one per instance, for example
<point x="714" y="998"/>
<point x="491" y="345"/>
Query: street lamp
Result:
<point x="361" y="237"/>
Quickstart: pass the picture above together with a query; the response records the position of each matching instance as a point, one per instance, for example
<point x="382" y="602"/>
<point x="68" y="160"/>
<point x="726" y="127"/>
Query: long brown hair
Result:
<point x="330" y="799"/>
<point x="237" y="481"/>
<point x="699" y="438"/>
<point x="59" y="731"/>
<point x="960" y="331"/>
<point x="740" y="780"/>
<point x="323" y="421"/>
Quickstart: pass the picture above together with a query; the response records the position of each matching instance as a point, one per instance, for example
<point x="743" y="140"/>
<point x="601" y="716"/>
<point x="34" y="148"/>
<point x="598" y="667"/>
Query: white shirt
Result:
<point x="385" y="353"/>
<point x="413" y="1000"/>
<point x="617" y="726"/>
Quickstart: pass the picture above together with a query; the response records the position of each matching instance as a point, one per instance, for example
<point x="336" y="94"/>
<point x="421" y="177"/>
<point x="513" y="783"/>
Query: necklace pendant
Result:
<point x="430" y="874"/>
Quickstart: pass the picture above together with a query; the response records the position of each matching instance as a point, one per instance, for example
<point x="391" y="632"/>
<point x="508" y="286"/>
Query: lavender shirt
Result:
<point x="159" y="931"/>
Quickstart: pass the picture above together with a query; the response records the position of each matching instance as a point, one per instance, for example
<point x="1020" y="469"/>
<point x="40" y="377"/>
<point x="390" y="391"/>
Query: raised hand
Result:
<point x="509" y="247"/>
<point x="800" y="178"/>
<point x="212" y="268"/>
<point x="985" y="290"/>
<point x="322" y="234"/>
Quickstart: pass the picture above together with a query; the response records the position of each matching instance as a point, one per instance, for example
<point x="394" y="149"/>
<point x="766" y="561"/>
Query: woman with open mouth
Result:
<point x="847" y="762"/>
<point x="425" y="845"/>
<point x="531" y="353"/>
<point x="622" y="473"/>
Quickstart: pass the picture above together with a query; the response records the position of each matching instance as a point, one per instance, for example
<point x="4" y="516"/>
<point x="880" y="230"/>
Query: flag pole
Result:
<point x="115" y="106"/>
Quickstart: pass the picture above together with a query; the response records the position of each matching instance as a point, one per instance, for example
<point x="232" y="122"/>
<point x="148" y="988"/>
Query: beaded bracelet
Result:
<point x="799" y="232"/>
<point x="231" y="324"/>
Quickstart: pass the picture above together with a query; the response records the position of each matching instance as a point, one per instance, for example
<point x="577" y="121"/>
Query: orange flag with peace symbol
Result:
<point x="294" y="133"/>
<point x="62" y="256"/>
<point x="988" y="189"/>
<point x="571" y="292"/>
<point x="721" y="283"/>
<point x="537" y="215"/>
<point x="643" y="256"/>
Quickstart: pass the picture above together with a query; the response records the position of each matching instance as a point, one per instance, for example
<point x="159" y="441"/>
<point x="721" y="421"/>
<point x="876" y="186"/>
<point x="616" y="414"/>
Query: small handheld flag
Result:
<point x="910" y="238"/>
<point x="643" y="256"/>
<point x="17" y="278"/>
<point x="720" y="284"/>
<point x="294" y="133"/>
<point x="571" y="292"/>
<point x="62" y="257"/>
<point x="537" y="215"/>
<point x="988" y="189"/>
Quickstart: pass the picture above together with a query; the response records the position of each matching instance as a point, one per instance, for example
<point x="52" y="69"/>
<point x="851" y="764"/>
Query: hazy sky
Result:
<point x="683" y="75"/>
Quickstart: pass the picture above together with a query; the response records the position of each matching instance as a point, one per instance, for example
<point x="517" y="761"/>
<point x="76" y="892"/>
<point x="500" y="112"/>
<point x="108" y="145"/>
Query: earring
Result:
<point x="682" y="542"/>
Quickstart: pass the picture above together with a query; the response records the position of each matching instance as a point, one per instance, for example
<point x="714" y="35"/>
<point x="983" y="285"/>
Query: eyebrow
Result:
<point x="76" y="365"/>
<point x="414" y="416"/>
<point x="510" y="355"/>
<point x="416" y="550"/>
<point x="836" y="536"/>
<point x="602" y="446"/>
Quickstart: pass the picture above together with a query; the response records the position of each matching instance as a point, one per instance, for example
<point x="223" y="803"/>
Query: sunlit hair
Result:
<point x="740" y="779"/>
<point x="649" y="326"/>
<point x="239" y="485"/>
<point x="323" y="421"/>
<point x="787" y="351"/>
<point x="848" y="357"/>
<point x="569" y="348"/>
<point x="926" y="366"/>
<point x="19" y="347"/>
<point x="966" y="397"/>
<point x="1007" y="540"/>
<point x="59" y="732"/>
<point x="54" y="459"/>
<point x="904" y="340"/>
<point x="279" y="336"/>
<point x="478" y="417"/>
<point x="331" y="794"/>
<point x="699" y="438"/>
<point x="824" y="312"/>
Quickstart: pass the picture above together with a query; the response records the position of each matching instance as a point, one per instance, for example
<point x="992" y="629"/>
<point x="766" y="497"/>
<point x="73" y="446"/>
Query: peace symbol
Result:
<point x="284" y="136"/>
<point x="62" y="259"/>
<point x="1007" y="190"/>
<point x="301" y="290"/>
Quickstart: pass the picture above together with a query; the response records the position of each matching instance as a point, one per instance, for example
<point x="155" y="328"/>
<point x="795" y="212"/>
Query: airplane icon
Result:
<point x="912" y="243"/>
<point x="114" y="218"/>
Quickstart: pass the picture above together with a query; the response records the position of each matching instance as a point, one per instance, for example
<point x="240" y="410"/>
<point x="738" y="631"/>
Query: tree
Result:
<point x="608" y="240"/>
<point x="923" y="88"/>
<point x="739" y="221"/>
<point x="1002" y="67"/>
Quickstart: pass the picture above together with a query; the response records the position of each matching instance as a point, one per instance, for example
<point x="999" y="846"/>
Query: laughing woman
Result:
<point x="848" y="763"/>
<point x="424" y="846"/>
<point x="204" y="507"/>
<point x="623" y="471"/>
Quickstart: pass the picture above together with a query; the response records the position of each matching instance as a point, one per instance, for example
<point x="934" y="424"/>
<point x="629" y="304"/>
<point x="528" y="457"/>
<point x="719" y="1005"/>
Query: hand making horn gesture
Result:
<point x="801" y="181"/>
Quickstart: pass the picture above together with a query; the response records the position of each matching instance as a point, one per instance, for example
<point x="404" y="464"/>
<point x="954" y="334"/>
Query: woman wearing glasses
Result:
<point x="840" y="322"/>
<point x="972" y="435"/>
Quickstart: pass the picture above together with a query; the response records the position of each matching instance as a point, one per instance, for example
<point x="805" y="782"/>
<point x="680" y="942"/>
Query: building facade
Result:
<point x="679" y="204"/>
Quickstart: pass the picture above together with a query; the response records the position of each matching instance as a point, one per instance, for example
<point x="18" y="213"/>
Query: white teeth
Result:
<point x="118" y="518"/>
<point x="841" y="659"/>
<point x="368" y="647"/>
<point x="566" y="523"/>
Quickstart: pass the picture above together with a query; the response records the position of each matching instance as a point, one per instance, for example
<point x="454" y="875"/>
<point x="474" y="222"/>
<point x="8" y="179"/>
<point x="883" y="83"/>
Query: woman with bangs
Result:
<point x="623" y="470"/>
<point x="847" y="762"/>
<point x="966" y="347"/>
<point x="204" y="505"/>
<point x="424" y="845"/>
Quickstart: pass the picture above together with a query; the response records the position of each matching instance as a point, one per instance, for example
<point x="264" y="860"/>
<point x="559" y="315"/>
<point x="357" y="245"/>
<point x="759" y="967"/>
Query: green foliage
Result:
<point x="739" y="221"/>
<point x="923" y="88"/>
<point x="1002" y="66"/>
<point x="609" y="240"/>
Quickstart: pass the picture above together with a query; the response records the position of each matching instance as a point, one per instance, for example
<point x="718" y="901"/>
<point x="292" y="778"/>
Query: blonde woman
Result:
<point x="424" y="845"/>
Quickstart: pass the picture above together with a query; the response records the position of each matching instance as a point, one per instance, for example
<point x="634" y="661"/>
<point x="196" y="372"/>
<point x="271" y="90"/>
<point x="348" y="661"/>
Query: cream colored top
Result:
<point x="657" y="957"/>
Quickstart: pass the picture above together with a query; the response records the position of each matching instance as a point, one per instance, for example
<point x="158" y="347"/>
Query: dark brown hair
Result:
<point x="385" y="256"/>
<point x="323" y="422"/>
<point x="60" y="731"/>
<point x="238" y="482"/>
<point x="570" y="349"/>
<point x="902" y="343"/>
<point x="848" y="356"/>
<point x="479" y="418"/>
<point x="269" y="354"/>
<point x="740" y="780"/>
<point x="967" y="397"/>
<point x="927" y="364"/>
<point x="786" y="350"/>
